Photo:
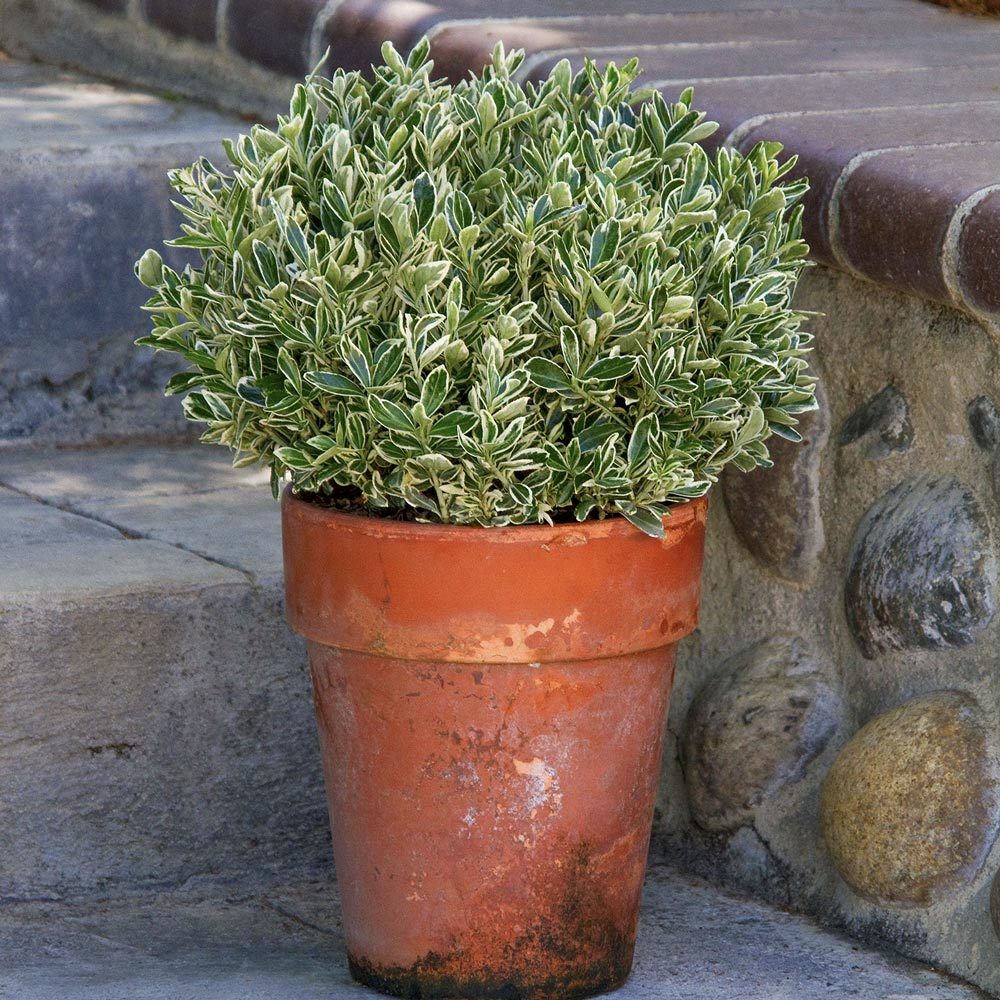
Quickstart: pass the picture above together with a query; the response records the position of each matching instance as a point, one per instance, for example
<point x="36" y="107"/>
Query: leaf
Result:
<point x="334" y="197"/>
<point x="433" y="463"/>
<point x="197" y="242"/>
<point x="149" y="269"/>
<point x="435" y="390"/>
<point x="449" y="426"/>
<point x="646" y="520"/>
<point x="639" y="445"/>
<point x="547" y="374"/>
<point x="294" y="458"/>
<point x="248" y="392"/>
<point x="297" y="242"/>
<point x="424" y="198"/>
<point x="390" y="415"/>
<point x="604" y="243"/>
<point x="387" y="235"/>
<point x="610" y="369"/>
<point x="788" y="433"/>
<point x="388" y="361"/>
<point x="288" y="368"/>
<point x="459" y="211"/>
<point x="331" y="382"/>
<point x="428" y="276"/>
<point x="595" y="435"/>
<point x="357" y="361"/>
<point x="182" y="382"/>
<point x="267" y="266"/>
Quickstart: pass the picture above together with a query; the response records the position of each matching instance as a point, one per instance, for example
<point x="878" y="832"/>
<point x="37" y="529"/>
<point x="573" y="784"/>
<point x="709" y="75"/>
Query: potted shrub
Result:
<point x="498" y="340"/>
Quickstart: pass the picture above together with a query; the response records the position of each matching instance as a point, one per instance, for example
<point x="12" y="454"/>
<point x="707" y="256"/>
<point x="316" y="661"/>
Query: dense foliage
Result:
<point x="489" y="303"/>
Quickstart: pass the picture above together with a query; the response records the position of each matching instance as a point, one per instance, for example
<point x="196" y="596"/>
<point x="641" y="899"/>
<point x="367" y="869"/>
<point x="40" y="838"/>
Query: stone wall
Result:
<point x="833" y="735"/>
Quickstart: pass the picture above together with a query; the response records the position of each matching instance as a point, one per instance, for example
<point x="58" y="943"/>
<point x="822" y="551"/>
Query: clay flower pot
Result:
<point x="491" y="706"/>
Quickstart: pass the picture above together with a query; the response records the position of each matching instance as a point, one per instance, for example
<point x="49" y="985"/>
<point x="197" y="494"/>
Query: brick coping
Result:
<point x="892" y="106"/>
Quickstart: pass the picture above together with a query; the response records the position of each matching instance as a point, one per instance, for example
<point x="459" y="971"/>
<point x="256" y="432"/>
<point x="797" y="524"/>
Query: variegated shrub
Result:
<point x="490" y="303"/>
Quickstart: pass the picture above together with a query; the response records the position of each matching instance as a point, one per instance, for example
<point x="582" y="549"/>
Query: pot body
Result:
<point x="491" y="705"/>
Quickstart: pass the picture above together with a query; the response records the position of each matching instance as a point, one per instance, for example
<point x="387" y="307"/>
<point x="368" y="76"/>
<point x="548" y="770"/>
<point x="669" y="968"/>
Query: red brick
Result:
<point x="111" y="6"/>
<point x="825" y="144"/>
<point x="276" y="33"/>
<point x="979" y="256"/>
<point x="459" y="45"/>
<point x="895" y="210"/>
<point x="186" y="18"/>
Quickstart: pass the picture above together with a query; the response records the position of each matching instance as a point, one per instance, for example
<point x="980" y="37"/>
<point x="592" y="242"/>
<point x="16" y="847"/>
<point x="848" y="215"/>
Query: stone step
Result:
<point x="156" y="725"/>
<point x="695" y="943"/>
<point x="84" y="191"/>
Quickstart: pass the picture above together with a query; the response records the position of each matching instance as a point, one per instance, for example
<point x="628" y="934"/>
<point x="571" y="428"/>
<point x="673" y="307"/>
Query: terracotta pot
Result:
<point x="491" y="706"/>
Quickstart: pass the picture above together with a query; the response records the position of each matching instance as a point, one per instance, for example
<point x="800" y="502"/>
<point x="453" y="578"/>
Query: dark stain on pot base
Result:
<point x="433" y="978"/>
<point x="429" y="979"/>
<point x="576" y="935"/>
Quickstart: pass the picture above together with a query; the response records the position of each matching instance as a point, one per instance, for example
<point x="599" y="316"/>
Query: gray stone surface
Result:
<point x="695" y="943"/>
<point x="775" y="512"/>
<point x="83" y="183"/>
<point x="23" y="520"/>
<point x="923" y="571"/>
<point x="156" y="724"/>
<point x="188" y="496"/>
<point x="880" y="426"/>
<point x="756" y="725"/>
<point x="75" y="476"/>
<point x="995" y="904"/>
<point x="92" y="569"/>
<point x="238" y="527"/>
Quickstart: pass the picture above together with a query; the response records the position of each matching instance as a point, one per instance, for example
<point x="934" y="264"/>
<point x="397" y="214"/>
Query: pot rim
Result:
<point x="461" y="593"/>
<point x="679" y="515"/>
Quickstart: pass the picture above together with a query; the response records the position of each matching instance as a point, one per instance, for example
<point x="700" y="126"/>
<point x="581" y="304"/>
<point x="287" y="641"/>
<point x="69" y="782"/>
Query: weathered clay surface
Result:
<point x="775" y="512"/>
<point x="881" y="426"/>
<point x="922" y="570"/>
<point x="491" y="802"/>
<point x="909" y="809"/>
<point x="754" y="726"/>
<point x="984" y="422"/>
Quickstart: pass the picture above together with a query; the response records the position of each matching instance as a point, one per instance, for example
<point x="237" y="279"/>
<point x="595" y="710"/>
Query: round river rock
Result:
<point x="754" y="726"/>
<point x="922" y="569"/>
<point x="909" y="809"/>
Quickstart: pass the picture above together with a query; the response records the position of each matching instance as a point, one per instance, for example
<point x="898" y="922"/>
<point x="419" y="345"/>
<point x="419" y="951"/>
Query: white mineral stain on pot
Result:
<point x="543" y="784"/>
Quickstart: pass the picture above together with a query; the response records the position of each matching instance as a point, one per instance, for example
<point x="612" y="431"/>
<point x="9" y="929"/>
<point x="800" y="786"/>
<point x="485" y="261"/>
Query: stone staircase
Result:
<point x="162" y="824"/>
<point x="83" y="189"/>
<point x="156" y="729"/>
